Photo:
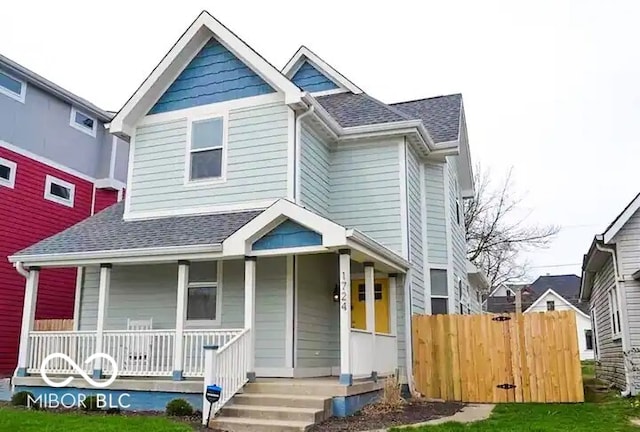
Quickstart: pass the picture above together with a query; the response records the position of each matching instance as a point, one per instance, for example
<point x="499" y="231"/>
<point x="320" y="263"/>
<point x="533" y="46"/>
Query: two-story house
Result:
<point x="58" y="166"/>
<point x="285" y="217"/>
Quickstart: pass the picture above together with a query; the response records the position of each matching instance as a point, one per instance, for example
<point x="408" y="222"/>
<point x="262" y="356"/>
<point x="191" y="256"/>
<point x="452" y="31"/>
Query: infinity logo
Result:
<point x="78" y="369"/>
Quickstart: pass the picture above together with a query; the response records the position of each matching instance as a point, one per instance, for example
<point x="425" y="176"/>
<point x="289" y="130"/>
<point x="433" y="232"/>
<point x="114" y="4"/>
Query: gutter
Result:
<point x="369" y="243"/>
<point x="623" y="310"/>
<point x="19" y="266"/>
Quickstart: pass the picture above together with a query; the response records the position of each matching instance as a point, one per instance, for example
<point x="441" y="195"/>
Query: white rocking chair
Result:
<point x="138" y="348"/>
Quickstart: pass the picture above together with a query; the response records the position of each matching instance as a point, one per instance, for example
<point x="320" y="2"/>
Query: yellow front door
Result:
<point x="381" y="304"/>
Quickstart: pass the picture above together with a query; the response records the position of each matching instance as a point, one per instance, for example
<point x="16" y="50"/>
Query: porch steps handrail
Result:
<point x="226" y="367"/>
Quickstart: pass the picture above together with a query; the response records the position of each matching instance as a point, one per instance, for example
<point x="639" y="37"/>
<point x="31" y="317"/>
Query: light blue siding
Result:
<point x="414" y="210"/>
<point x="365" y="190"/>
<point x="288" y="234"/>
<point x="214" y="75"/>
<point x="318" y="338"/>
<point x="436" y="214"/>
<point x="310" y="79"/>
<point x="458" y="241"/>
<point x="150" y="291"/>
<point x="315" y="160"/>
<point x="256" y="167"/>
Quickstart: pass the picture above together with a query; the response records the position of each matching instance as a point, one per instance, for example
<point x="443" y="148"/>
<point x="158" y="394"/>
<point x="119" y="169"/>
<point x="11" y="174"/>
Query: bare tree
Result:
<point x="498" y="232"/>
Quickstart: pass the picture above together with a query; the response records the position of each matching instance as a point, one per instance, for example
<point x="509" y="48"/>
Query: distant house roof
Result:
<point x="440" y="115"/>
<point x="566" y="286"/>
<point x="107" y="231"/>
<point x="28" y="75"/>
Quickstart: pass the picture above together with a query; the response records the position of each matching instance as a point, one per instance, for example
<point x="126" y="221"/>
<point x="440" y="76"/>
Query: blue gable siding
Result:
<point x="311" y="79"/>
<point x="214" y="75"/>
<point x="288" y="234"/>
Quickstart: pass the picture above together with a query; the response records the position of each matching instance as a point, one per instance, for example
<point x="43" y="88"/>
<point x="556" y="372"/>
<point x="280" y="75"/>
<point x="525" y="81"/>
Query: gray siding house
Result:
<point x="286" y="217"/>
<point x="611" y="285"/>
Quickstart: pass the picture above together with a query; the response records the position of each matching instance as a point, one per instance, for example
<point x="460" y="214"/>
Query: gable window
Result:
<point x="439" y="292"/>
<point x="206" y="149"/>
<point x="7" y="173"/>
<point x="551" y="305"/>
<point x="614" y="310"/>
<point x="12" y="86"/>
<point x="59" y="191"/>
<point x="588" y="338"/>
<point x="83" y="122"/>
<point x="203" y="293"/>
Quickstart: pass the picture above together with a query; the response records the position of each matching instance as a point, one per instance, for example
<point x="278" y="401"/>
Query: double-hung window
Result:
<point x="551" y="305"/>
<point x="8" y="173"/>
<point x="203" y="293"/>
<point x="206" y="149"/>
<point x="83" y="122"/>
<point x="12" y="86"/>
<point x="439" y="292"/>
<point x="59" y="191"/>
<point x="614" y="309"/>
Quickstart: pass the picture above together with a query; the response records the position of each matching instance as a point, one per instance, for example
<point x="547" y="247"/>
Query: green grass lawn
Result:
<point x="19" y="420"/>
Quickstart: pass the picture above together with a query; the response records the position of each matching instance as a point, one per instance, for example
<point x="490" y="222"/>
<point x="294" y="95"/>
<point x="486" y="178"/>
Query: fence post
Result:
<point x="210" y="357"/>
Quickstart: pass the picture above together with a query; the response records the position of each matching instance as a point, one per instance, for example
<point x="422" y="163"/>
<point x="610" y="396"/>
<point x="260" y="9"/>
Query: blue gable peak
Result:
<point x="310" y="79"/>
<point x="214" y="75"/>
<point x="286" y="235"/>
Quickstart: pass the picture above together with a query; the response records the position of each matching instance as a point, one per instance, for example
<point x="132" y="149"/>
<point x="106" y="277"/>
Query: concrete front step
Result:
<point x="283" y="400"/>
<point x="293" y="388"/>
<point x="239" y="424"/>
<point x="311" y="415"/>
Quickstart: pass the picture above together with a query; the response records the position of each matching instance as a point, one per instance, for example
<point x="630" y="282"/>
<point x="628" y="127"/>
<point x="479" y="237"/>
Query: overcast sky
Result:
<point x="551" y="88"/>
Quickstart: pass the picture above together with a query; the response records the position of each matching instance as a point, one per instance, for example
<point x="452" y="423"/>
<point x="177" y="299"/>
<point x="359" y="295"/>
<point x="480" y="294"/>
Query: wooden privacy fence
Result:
<point x="498" y="358"/>
<point x="53" y="325"/>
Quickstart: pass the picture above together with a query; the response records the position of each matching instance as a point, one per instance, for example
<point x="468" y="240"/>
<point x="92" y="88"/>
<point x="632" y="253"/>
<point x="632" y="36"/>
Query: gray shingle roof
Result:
<point x="440" y="115"/>
<point x="350" y="110"/>
<point x="108" y="231"/>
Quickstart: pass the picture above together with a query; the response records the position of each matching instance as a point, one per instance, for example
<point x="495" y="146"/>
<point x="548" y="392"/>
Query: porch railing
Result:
<point x="227" y="367"/>
<point x="148" y="353"/>
<point x="195" y="340"/>
<point x="367" y="356"/>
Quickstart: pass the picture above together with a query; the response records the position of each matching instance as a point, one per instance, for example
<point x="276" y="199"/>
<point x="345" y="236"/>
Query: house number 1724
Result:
<point x="343" y="293"/>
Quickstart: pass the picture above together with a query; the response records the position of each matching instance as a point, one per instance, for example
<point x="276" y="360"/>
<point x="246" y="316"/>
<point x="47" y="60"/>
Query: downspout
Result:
<point x="297" y="148"/>
<point x="408" y="331"/>
<point x="625" y="329"/>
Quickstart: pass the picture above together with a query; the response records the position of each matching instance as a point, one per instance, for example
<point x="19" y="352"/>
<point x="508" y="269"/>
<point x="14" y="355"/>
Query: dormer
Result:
<point x="315" y="76"/>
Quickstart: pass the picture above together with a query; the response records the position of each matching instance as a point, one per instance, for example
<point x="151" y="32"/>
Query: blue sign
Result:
<point x="213" y="393"/>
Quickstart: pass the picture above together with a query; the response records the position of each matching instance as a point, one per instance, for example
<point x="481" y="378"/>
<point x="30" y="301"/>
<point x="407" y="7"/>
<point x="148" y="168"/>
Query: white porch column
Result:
<point x="181" y="316"/>
<point x="28" y="315"/>
<point x="346" y="375"/>
<point x="369" y="297"/>
<point x="250" y="313"/>
<point x="393" y="303"/>
<point x="103" y="300"/>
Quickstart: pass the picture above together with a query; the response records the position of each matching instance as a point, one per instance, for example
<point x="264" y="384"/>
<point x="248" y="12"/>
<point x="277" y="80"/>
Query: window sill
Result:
<point x="616" y="337"/>
<point x="204" y="182"/>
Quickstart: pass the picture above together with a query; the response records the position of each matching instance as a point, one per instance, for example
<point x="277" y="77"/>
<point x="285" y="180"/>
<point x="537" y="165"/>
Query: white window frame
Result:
<point x="614" y="313"/>
<point x="23" y="89"/>
<point x="596" y="339"/>
<point x="553" y="304"/>
<point x="49" y="196"/>
<point x="13" y="167"/>
<point x="439" y="296"/>
<point x="218" y="284"/>
<point x="223" y="159"/>
<point x="72" y="122"/>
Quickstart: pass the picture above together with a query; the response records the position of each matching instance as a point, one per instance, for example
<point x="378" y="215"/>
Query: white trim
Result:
<point x="93" y="200"/>
<point x="426" y="269"/>
<point x="192" y="211"/>
<point x="20" y="97"/>
<point x="614" y="298"/>
<point x="449" y="236"/>
<point x="206" y="323"/>
<point x="621" y="220"/>
<point x="77" y="298"/>
<point x="84" y="129"/>
<point x="204" y="27"/>
<point x="404" y="211"/>
<point x="224" y="146"/>
<point x="290" y="250"/>
<point x="562" y="299"/>
<point x="305" y="54"/>
<point x="50" y="180"/>
<point x="13" y="168"/>
<point x="46" y="161"/>
<point x="329" y="92"/>
<point x="289" y="313"/>
<point x="109" y="183"/>
<point x="210" y="109"/>
<point x="112" y="160"/>
<point x="293" y="155"/>
<point x="127" y="197"/>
